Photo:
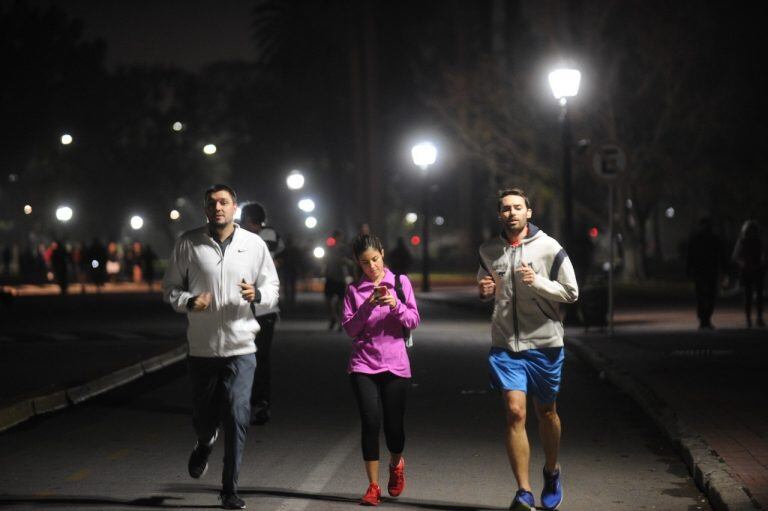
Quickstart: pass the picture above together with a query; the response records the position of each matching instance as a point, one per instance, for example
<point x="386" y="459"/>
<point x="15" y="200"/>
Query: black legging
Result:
<point x="375" y="393"/>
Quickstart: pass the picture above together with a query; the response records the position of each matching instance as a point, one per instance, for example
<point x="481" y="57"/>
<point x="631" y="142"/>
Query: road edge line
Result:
<point x="16" y="413"/>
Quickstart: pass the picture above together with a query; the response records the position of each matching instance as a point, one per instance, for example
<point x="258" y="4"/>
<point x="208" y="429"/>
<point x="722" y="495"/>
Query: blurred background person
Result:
<point x="749" y="256"/>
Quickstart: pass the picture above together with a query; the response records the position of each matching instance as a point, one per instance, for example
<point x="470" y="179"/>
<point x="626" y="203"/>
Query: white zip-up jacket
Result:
<point x="227" y="327"/>
<point x="528" y="317"/>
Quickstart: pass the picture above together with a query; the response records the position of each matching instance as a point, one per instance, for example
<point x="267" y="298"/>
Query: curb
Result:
<point x="709" y="472"/>
<point x="25" y="409"/>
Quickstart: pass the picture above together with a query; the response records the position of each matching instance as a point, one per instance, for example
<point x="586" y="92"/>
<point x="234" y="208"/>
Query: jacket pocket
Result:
<point x="533" y="320"/>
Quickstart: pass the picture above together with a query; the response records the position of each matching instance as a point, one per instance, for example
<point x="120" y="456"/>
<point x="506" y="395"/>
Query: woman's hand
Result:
<point x="387" y="299"/>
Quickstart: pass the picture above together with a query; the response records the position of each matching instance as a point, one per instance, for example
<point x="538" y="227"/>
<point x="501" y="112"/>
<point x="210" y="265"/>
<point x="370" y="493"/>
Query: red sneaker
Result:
<point x="372" y="496"/>
<point x="397" y="478"/>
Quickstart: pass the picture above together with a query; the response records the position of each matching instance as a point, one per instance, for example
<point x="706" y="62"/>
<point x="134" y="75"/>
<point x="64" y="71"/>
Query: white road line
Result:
<point x="321" y="475"/>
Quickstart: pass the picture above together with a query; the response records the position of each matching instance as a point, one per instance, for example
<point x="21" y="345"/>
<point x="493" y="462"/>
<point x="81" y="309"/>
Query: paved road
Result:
<point x="128" y="449"/>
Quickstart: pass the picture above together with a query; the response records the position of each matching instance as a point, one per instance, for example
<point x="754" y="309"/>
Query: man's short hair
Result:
<point x="217" y="188"/>
<point x="254" y="212"/>
<point x="512" y="191"/>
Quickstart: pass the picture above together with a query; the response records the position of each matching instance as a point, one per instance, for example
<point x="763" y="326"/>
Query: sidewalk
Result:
<point x="704" y="389"/>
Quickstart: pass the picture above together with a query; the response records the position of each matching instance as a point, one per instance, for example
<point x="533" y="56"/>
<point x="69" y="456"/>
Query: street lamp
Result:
<point x="295" y="180"/>
<point x="66" y="139"/>
<point x="64" y="214"/>
<point x="424" y="154"/>
<point x="565" y="84"/>
<point x="137" y="222"/>
<point x="209" y="149"/>
<point x="307" y="205"/>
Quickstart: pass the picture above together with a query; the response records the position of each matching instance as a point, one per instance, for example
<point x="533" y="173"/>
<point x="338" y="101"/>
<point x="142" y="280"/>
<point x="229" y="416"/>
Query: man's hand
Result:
<point x="527" y="275"/>
<point x="201" y="302"/>
<point x="247" y="291"/>
<point x="486" y="287"/>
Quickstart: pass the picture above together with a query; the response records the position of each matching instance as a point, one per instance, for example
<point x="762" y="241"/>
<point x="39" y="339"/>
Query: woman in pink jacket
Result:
<point x="379" y="368"/>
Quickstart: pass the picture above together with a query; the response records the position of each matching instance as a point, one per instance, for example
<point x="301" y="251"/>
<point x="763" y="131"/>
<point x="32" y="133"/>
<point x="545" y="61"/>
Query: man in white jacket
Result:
<point x="214" y="275"/>
<point x="528" y="274"/>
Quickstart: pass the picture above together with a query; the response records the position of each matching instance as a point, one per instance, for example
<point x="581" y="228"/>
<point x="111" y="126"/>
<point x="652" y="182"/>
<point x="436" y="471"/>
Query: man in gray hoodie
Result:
<point x="528" y="274"/>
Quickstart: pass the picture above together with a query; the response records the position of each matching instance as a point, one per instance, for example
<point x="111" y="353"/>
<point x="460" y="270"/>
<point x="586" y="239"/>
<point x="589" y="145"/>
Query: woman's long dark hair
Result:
<point x="363" y="242"/>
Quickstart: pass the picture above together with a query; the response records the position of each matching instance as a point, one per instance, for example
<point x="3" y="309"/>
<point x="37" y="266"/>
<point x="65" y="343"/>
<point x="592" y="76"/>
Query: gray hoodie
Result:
<point x="528" y="317"/>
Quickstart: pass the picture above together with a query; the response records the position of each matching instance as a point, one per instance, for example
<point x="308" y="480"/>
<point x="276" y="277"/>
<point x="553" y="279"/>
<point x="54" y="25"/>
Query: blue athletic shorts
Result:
<point x="535" y="372"/>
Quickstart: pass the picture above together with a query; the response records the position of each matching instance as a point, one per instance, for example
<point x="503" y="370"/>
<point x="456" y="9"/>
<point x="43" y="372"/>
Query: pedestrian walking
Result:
<point x="400" y="257"/>
<point x="379" y="368"/>
<point x="705" y="264"/>
<point x="214" y="275"/>
<point x="528" y="274"/>
<point x="337" y="270"/>
<point x="254" y="218"/>
<point x="749" y="256"/>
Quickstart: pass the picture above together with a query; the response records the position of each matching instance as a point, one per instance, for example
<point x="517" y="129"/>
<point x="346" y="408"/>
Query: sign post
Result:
<point x="609" y="162"/>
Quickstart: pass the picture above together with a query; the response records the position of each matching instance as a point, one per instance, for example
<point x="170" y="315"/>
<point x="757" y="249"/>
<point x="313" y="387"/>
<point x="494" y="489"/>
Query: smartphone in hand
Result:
<point x="379" y="291"/>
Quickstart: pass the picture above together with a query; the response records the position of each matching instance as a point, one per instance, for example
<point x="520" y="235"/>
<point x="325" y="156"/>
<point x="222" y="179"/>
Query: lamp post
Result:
<point x="424" y="154"/>
<point x="565" y="84"/>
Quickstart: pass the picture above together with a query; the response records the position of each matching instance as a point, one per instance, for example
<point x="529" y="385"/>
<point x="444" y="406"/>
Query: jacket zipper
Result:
<point x="512" y="276"/>
<point x="221" y="296"/>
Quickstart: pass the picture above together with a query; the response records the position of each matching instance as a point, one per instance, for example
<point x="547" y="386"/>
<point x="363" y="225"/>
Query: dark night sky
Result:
<point x="186" y="33"/>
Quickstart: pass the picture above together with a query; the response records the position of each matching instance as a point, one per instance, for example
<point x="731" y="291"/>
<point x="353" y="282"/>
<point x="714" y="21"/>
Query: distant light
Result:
<point x="593" y="232"/>
<point x="66" y="139"/>
<point x="175" y="215"/>
<point x="94" y="264"/>
<point x="424" y="154"/>
<point x="181" y="202"/>
<point x="64" y="213"/>
<point x="318" y="252"/>
<point x="629" y="204"/>
<point x="439" y="220"/>
<point x="307" y="205"/>
<point x="411" y="218"/>
<point x="670" y="212"/>
<point x="311" y="222"/>
<point x="177" y="126"/>
<point x="209" y="149"/>
<point x="137" y="222"/>
<point x="295" y="180"/>
<point x="13" y="178"/>
<point x="564" y="83"/>
<point x="330" y="241"/>
<point x="606" y="266"/>
<point x="238" y="213"/>
<point x="27" y="209"/>
<point x="415" y="240"/>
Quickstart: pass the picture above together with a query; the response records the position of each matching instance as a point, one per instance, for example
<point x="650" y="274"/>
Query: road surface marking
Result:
<point x="316" y="481"/>
<point x="79" y="475"/>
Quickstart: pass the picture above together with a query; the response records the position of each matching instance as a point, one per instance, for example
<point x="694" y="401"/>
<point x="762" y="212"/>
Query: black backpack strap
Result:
<point x="399" y="288"/>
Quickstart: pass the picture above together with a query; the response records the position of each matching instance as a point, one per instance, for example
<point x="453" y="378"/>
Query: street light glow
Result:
<point x="175" y="215"/>
<point x="670" y="212"/>
<point x="27" y="209"/>
<point x="209" y="149"/>
<point x="177" y="126"/>
<point x="307" y="205"/>
<point x="66" y="139"/>
<point x="564" y="83"/>
<point x="64" y="213"/>
<point x="137" y="222"/>
<point x="424" y="154"/>
<point x="295" y="180"/>
<point x="318" y="252"/>
<point x="310" y="222"/>
<point x="439" y="220"/>
<point x="411" y="218"/>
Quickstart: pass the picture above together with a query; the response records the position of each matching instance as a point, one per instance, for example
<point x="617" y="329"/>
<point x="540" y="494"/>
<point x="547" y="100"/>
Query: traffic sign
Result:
<point x="609" y="161"/>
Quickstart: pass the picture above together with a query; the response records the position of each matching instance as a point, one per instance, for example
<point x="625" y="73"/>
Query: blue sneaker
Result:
<point x="552" y="494"/>
<point x="523" y="501"/>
